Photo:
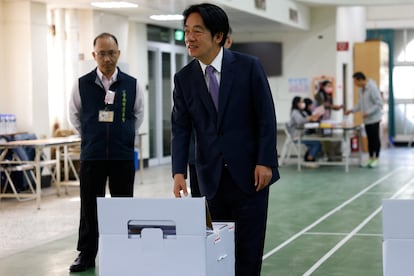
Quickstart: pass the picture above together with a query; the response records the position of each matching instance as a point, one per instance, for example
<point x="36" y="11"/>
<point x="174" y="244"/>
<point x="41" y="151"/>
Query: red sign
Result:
<point x="342" y="46"/>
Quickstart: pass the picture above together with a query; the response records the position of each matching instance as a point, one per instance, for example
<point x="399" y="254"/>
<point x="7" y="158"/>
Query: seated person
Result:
<point x="308" y="106"/>
<point x="298" y="118"/>
<point x="309" y="112"/>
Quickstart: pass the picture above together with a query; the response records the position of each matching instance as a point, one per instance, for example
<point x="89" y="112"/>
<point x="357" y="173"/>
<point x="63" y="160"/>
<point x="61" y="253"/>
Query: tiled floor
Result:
<point x="22" y="226"/>
<point x="312" y="222"/>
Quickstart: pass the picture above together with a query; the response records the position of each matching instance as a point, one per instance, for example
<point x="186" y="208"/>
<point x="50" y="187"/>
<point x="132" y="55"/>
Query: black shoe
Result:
<point x="305" y="157"/>
<point x="82" y="263"/>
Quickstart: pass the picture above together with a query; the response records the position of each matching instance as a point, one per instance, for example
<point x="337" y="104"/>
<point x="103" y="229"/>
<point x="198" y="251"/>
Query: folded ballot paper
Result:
<point x="168" y="236"/>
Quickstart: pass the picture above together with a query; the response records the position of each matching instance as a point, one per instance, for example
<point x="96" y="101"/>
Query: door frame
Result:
<point x="160" y="48"/>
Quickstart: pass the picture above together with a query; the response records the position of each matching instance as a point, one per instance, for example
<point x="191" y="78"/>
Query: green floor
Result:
<point x="321" y="222"/>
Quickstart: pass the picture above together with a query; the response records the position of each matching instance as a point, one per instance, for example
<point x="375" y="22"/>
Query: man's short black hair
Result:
<point x="215" y="19"/>
<point x="359" y="76"/>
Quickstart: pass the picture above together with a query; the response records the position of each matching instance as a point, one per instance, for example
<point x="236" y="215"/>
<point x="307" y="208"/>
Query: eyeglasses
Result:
<point x="111" y="54"/>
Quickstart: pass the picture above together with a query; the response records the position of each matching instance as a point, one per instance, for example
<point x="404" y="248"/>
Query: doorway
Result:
<point x="164" y="60"/>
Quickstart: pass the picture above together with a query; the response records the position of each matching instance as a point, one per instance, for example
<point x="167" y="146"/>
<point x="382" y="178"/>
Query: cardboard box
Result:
<point x="398" y="233"/>
<point x="397" y="219"/>
<point x="161" y="237"/>
<point x="398" y="257"/>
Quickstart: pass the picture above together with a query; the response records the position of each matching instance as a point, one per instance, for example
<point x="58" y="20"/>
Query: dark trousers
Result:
<point x="93" y="178"/>
<point x="373" y="136"/>
<point x="195" y="190"/>
<point x="249" y="212"/>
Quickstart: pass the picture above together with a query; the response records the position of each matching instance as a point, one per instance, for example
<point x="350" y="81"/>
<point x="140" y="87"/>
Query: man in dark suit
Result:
<point x="235" y="138"/>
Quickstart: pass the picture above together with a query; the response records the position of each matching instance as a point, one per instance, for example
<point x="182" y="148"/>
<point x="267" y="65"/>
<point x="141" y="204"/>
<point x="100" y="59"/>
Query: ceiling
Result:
<point x="237" y="18"/>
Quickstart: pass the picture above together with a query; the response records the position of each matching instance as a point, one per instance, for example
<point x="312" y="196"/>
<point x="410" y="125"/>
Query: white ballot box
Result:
<point x="161" y="237"/>
<point x="398" y="237"/>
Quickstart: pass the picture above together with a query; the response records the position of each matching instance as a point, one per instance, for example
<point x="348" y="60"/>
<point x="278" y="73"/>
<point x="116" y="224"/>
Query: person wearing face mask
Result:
<point x="324" y="97"/>
<point x="298" y="118"/>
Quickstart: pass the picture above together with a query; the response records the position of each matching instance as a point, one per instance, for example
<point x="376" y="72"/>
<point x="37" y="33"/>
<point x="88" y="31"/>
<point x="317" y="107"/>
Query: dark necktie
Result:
<point x="213" y="85"/>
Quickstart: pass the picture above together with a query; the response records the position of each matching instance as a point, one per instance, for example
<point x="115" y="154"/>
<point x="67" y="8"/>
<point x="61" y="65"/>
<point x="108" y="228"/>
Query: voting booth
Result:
<point x="158" y="237"/>
<point x="398" y="237"/>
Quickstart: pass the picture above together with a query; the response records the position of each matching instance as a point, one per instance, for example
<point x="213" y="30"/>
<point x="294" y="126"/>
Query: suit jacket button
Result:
<point x="225" y="164"/>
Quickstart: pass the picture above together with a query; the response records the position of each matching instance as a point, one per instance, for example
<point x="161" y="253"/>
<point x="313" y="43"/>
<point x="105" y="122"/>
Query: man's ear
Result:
<point x="218" y="37"/>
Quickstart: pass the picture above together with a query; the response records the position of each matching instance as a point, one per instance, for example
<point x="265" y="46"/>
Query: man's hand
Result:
<point x="180" y="185"/>
<point x="262" y="177"/>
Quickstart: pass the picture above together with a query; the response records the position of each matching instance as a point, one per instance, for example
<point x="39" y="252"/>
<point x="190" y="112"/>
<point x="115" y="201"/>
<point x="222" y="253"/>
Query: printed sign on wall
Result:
<point x="298" y="85"/>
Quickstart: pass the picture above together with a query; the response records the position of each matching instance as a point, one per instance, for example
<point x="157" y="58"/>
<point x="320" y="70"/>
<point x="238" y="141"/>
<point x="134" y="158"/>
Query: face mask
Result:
<point x="301" y="105"/>
<point x="328" y="89"/>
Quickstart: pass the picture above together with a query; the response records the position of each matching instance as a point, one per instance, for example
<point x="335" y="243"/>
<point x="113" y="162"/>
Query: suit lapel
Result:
<point x="197" y="78"/>
<point x="227" y="76"/>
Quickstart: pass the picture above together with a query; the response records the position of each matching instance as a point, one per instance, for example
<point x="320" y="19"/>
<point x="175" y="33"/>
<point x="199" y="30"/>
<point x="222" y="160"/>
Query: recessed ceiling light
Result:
<point x="167" y="17"/>
<point x="114" y="5"/>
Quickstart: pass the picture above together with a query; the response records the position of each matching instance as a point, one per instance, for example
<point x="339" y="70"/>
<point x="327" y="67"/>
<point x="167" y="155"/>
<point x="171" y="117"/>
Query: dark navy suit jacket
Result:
<point x="241" y="135"/>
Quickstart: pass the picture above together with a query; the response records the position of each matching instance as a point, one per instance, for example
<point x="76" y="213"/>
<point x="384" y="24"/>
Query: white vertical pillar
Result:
<point x="39" y="68"/>
<point x="351" y="28"/>
<point x="25" y="79"/>
<point x="57" y="48"/>
<point x="63" y="62"/>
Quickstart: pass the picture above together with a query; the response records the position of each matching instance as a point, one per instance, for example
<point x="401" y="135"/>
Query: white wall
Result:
<point x="85" y="45"/>
<point x="275" y="10"/>
<point x="306" y="54"/>
<point x="392" y="17"/>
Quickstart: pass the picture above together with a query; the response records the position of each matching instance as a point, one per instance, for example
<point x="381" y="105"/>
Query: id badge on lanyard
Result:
<point x="106" y="115"/>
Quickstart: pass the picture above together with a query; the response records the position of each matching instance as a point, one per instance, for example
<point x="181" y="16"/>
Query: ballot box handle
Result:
<point x="221" y="257"/>
<point x="167" y="227"/>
